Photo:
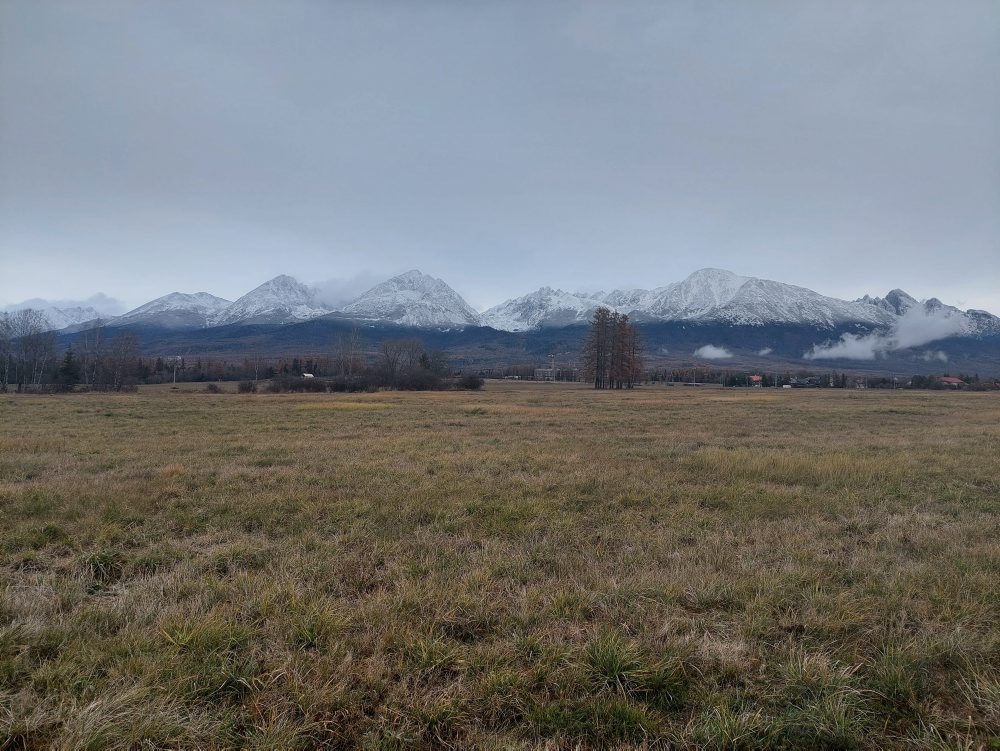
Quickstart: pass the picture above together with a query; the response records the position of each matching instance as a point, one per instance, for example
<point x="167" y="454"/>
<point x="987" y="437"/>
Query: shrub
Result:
<point x="248" y="387"/>
<point x="296" y="384"/>
<point x="420" y="379"/>
<point x="470" y="381"/>
<point x="353" y="384"/>
<point x="213" y="388"/>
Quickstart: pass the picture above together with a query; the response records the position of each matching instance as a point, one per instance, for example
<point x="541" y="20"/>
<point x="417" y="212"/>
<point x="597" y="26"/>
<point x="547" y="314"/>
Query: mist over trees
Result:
<point x="612" y="351"/>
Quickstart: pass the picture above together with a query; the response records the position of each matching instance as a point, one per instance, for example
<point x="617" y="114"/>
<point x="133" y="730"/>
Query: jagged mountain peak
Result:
<point x="900" y="300"/>
<point x="201" y="299"/>
<point x="545" y="307"/>
<point x="706" y="295"/>
<point x="896" y="301"/>
<point x="414" y="299"/>
<point x="282" y="281"/>
<point x="282" y="299"/>
<point x="70" y="317"/>
<point x="711" y="275"/>
<point x="176" y="310"/>
<point x="413" y="275"/>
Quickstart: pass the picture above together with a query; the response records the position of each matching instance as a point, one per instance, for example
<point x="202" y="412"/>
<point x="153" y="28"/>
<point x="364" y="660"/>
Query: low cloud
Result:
<point x="711" y="352"/>
<point x="100" y="302"/>
<point x="764" y="352"/>
<point x="931" y="355"/>
<point x="916" y="327"/>
<point x="337" y="293"/>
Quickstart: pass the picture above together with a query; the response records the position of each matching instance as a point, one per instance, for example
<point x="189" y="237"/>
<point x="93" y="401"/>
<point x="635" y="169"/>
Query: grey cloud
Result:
<point x="100" y="302"/>
<point x="848" y="147"/>
<point x="337" y="293"/>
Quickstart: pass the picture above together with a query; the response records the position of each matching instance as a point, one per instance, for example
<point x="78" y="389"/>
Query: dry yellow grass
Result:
<point x="533" y="565"/>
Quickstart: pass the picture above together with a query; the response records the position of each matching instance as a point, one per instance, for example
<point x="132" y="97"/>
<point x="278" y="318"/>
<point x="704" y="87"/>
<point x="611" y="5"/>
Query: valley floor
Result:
<point x="533" y="565"/>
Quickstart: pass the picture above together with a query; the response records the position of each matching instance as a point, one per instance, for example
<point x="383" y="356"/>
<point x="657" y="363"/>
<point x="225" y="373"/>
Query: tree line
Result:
<point x="29" y="360"/>
<point x="100" y="360"/>
<point x="612" y="351"/>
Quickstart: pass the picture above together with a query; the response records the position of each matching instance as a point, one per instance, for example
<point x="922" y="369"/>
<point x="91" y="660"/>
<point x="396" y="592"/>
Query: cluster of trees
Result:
<point x="527" y="371"/>
<point x="835" y="379"/>
<point x="972" y="382"/>
<point x="27" y="349"/>
<point x="404" y="364"/>
<point x="612" y="351"/>
<point x="29" y="361"/>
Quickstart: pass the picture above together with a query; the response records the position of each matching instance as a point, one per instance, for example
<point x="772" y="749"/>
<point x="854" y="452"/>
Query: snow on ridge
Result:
<point x="201" y="302"/>
<point x="418" y="300"/>
<point x="282" y="299"/>
<point x="414" y="299"/>
<point x="705" y="295"/>
<point x="543" y="307"/>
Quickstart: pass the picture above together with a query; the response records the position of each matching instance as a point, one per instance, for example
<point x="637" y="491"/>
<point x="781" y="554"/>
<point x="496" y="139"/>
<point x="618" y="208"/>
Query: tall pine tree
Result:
<point x="612" y="352"/>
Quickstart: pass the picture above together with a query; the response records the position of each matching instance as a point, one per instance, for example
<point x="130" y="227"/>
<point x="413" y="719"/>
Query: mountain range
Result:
<point x="740" y="309"/>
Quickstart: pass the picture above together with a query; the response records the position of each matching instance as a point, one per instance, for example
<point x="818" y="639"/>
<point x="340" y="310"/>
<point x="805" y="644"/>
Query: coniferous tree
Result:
<point x="612" y="353"/>
<point x="69" y="369"/>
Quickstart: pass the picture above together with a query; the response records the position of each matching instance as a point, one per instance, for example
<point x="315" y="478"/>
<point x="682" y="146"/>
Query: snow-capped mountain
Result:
<point x="56" y="317"/>
<point x="973" y="322"/>
<point x="896" y="302"/>
<point x="63" y="318"/>
<point x="414" y="299"/>
<point x="708" y="295"/>
<point x="280" y="300"/>
<point x="542" y="308"/>
<point x="721" y="296"/>
<point x="177" y="310"/>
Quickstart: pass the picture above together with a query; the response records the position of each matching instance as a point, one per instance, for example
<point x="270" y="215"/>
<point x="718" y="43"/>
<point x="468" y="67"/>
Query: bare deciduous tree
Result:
<point x="6" y="350"/>
<point x="31" y="347"/>
<point x="348" y="358"/>
<point x="124" y="350"/>
<point x="92" y="346"/>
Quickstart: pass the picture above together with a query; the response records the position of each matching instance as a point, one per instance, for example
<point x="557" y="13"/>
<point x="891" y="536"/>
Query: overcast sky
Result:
<point x="191" y="145"/>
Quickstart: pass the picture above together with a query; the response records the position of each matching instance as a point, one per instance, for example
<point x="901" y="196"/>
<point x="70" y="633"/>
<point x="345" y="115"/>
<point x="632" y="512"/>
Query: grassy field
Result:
<point x="531" y="566"/>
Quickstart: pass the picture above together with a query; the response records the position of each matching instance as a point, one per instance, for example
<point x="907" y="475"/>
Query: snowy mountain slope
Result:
<point x="978" y="323"/>
<point x="629" y="299"/>
<point x="177" y="310"/>
<point x="708" y="295"/>
<point x="62" y="318"/>
<point x="697" y="296"/>
<point x="717" y="295"/>
<point x="279" y="300"/>
<point x="56" y="317"/>
<point x="414" y="299"/>
<point x="982" y="323"/>
<point x="545" y="307"/>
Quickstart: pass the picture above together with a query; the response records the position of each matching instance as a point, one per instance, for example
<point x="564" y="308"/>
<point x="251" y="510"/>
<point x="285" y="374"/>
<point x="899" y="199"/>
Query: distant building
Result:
<point x="556" y="374"/>
<point x="952" y="382"/>
<point x="757" y="381"/>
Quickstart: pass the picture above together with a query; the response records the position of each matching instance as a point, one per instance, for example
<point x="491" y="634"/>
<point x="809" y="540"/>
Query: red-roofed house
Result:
<point x="952" y="382"/>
